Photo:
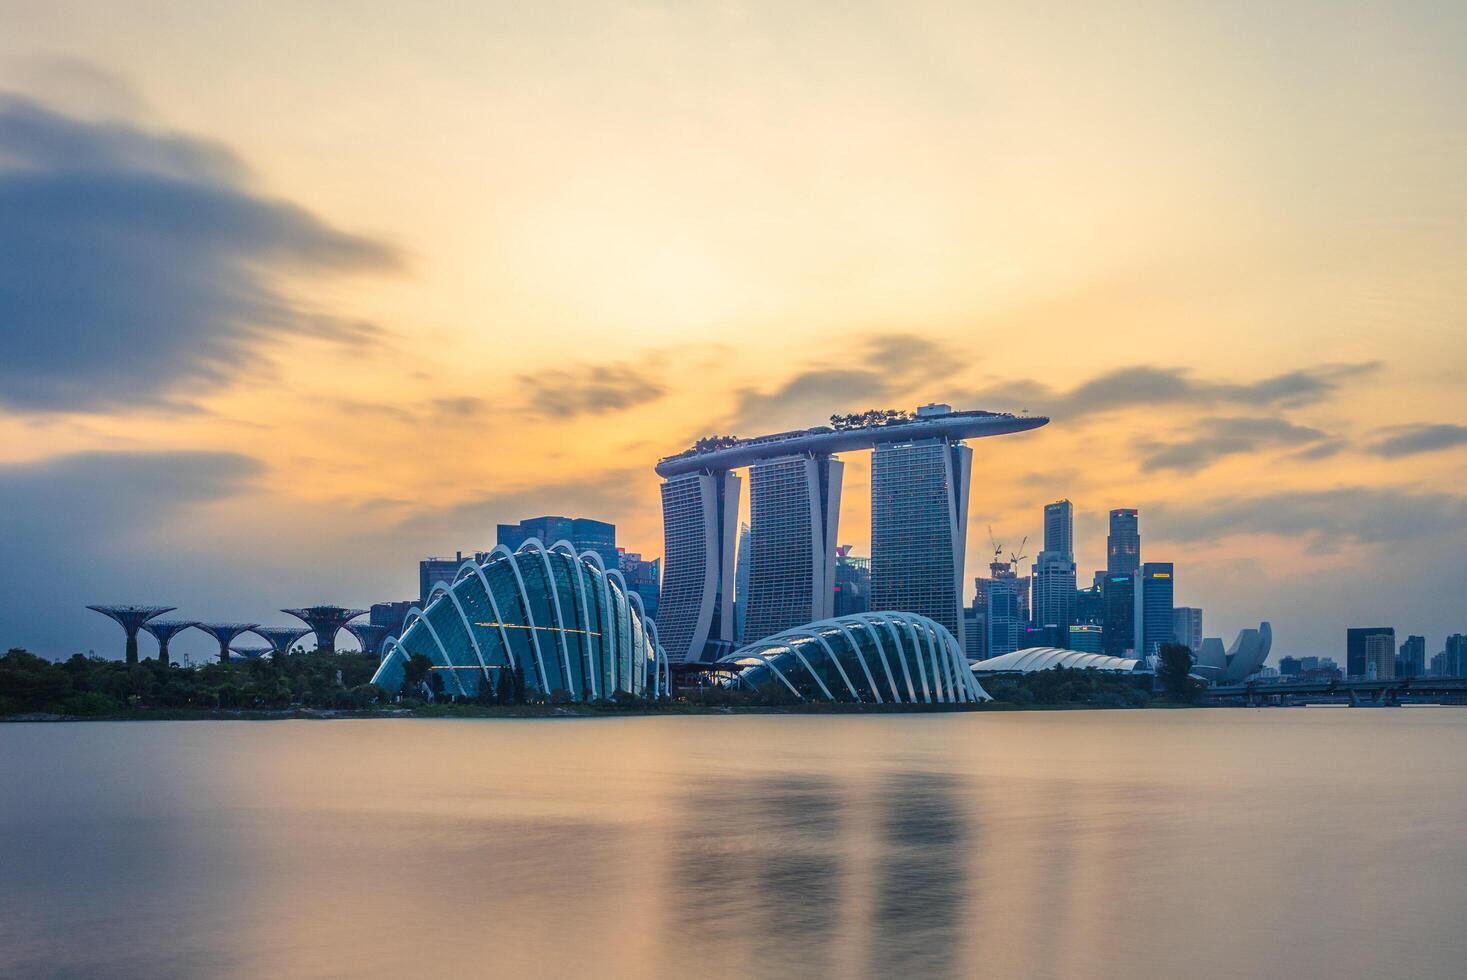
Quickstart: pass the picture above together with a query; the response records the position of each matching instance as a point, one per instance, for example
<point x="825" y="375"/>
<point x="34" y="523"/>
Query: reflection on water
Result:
<point x="1296" y="843"/>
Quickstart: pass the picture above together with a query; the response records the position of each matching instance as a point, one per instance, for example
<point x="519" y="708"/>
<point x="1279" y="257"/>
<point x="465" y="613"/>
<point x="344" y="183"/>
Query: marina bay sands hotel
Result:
<point x="920" y="474"/>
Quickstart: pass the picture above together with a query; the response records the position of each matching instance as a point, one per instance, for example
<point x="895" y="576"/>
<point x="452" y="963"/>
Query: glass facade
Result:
<point x="560" y="618"/>
<point x="695" y="608"/>
<point x="794" y="504"/>
<point x="868" y="658"/>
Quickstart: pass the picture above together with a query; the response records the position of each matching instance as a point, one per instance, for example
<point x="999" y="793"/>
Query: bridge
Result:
<point x="1372" y="693"/>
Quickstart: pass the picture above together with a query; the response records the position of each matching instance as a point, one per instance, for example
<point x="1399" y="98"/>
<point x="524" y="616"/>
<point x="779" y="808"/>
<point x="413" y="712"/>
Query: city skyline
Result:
<point x="512" y="285"/>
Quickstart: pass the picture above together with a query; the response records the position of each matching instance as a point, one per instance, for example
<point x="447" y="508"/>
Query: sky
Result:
<point x="294" y="294"/>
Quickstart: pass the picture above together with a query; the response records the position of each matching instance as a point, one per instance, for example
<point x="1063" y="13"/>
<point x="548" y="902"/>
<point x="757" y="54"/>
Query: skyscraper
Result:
<point x="1357" y="658"/>
<point x="1380" y="656"/>
<point x="1054" y="590"/>
<point x="700" y="513"/>
<point x="1153" y="597"/>
<point x="1119" y="633"/>
<point x="1187" y="627"/>
<point x="642" y="577"/>
<point x="1005" y="621"/>
<point x="582" y="532"/>
<point x="741" y="583"/>
<point x="794" y="510"/>
<point x="1059" y="529"/>
<point x="919" y="523"/>
<point x="1411" y="662"/>
<point x="434" y="572"/>
<point x="1123" y="546"/>
<point x="852" y="583"/>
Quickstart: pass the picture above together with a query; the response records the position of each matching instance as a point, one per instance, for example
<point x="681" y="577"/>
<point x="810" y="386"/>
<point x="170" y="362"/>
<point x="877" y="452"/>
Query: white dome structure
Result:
<point x="1033" y="659"/>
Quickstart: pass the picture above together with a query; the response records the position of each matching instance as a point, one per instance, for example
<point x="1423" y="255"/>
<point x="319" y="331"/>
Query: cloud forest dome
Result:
<point x="866" y="658"/>
<point x="562" y="619"/>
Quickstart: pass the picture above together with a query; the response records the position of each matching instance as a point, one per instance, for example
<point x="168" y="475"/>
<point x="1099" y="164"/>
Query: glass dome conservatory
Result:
<point x="562" y="619"/>
<point x="867" y="658"/>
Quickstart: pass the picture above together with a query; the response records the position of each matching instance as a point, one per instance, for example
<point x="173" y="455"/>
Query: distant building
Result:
<point x="1043" y="636"/>
<point x="1090" y="605"/>
<point x="1123" y="546"/>
<point x="642" y="577"/>
<point x="1355" y="650"/>
<point x="1153" y="597"/>
<point x="439" y="572"/>
<point x="741" y="583"/>
<point x="1054" y="594"/>
<point x="794" y="507"/>
<point x="1120" y="615"/>
<point x="1452" y="661"/>
<point x="1289" y="666"/>
<point x="1380" y="657"/>
<point x="1059" y="528"/>
<point x="390" y="615"/>
<point x="1005" y="619"/>
<point x="1086" y="638"/>
<point x="852" y="583"/>
<point x="1411" y="660"/>
<point x="582" y="532"/>
<point x="975" y="633"/>
<point x="1187" y="627"/>
<point x="695" y="619"/>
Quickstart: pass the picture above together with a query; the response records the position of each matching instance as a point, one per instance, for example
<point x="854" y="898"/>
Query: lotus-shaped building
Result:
<point x="562" y="619"/>
<point x="865" y="658"/>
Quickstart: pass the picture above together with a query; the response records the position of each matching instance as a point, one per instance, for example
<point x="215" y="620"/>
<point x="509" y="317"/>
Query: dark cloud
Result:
<point x="1143" y="385"/>
<point x="1366" y="515"/>
<point x="1407" y="440"/>
<point x="133" y="263"/>
<point x="1216" y="438"/>
<point x="564" y="393"/>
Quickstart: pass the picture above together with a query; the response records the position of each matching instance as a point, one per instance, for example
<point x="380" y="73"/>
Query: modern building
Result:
<point x="1123" y="545"/>
<point x="643" y="577"/>
<point x="390" y="615"/>
<point x="583" y="533"/>
<point x="975" y="633"/>
<point x="1411" y="661"/>
<point x="1090" y="604"/>
<point x="1005" y="616"/>
<point x="436" y="573"/>
<point x="566" y="624"/>
<point x="1452" y="660"/>
<point x="852" y="583"/>
<point x="700" y="512"/>
<point x="1187" y="627"/>
<point x="1034" y="659"/>
<point x="869" y="658"/>
<point x="1380" y="657"/>
<point x="1154" y="589"/>
<point x="1356" y="654"/>
<point x="1059" y="528"/>
<point x="1242" y="660"/>
<point x="741" y="583"/>
<point x="1055" y="595"/>
<point x="794" y="512"/>
<point x="1087" y="638"/>
<point x="1120" y="615"/>
<point x="920" y="477"/>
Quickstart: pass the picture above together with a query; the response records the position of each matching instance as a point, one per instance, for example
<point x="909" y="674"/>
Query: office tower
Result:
<point x="390" y="615"/>
<point x="919" y="523"/>
<point x="1356" y="657"/>
<point x="852" y="583"/>
<point x="1054" y="590"/>
<point x="642" y="577"/>
<point x="1059" y="528"/>
<point x="1289" y="666"/>
<point x="1123" y="546"/>
<point x="1120" y="615"/>
<point x="1005" y="621"/>
<point x="1153" y="598"/>
<point x="741" y="584"/>
<point x="1187" y="627"/>
<point x="1087" y="638"/>
<point x="1412" y="659"/>
<point x="975" y="633"/>
<point x="1090" y="606"/>
<point x="794" y="509"/>
<point x="1380" y="657"/>
<point x="700" y="513"/>
<point x="440" y="572"/>
<point x="1452" y="661"/>
<point x="583" y="533"/>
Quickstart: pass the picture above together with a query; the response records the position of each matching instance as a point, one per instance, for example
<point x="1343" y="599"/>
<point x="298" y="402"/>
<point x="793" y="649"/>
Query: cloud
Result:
<point x="136" y="264"/>
<point x="1407" y="440"/>
<point x="1219" y="437"/>
<point x="1363" y="515"/>
<point x="564" y="393"/>
<point x="1145" y="385"/>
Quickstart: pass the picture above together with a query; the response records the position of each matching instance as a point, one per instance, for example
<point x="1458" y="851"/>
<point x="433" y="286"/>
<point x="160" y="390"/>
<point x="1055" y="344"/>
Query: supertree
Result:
<point x="225" y="634"/>
<point x="325" y="622"/>
<point x="252" y="652"/>
<point x="164" y="630"/>
<point x="368" y="635"/>
<point x="130" y="618"/>
<point x="280" y="638"/>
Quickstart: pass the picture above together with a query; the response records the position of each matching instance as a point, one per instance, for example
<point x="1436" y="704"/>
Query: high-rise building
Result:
<point x="1411" y="661"/>
<point x="390" y="615"/>
<point x="741" y="583"/>
<point x="1090" y="605"/>
<point x="919" y="524"/>
<point x="1153" y="597"/>
<point x="1059" y="528"/>
<point x="438" y="573"/>
<point x="1120" y="615"/>
<point x="642" y="577"/>
<point x="1054" y="590"/>
<point x="1123" y="546"/>
<point x="852" y="583"/>
<point x="794" y="510"/>
<point x="582" y="532"/>
<point x="1187" y="628"/>
<point x="975" y="633"/>
<point x="700" y="513"/>
<point x="1356" y="658"/>
<point x="1452" y="661"/>
<point x="1004" y="619"/>
<point x="1380" y="657"/>
<point x="1087" y="638"/>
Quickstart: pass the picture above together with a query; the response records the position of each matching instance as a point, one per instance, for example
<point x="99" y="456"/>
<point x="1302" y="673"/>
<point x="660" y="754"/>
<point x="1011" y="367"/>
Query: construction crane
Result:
<point x="997" y="545"/>
<point x="1017" y="556"/>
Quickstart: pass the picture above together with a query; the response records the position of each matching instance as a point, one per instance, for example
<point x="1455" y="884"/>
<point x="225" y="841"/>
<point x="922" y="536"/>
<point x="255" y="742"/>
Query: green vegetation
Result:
<point x="1076" y="688"/>
<point x="874" y="416"/>
<point x="1174" y="673"/>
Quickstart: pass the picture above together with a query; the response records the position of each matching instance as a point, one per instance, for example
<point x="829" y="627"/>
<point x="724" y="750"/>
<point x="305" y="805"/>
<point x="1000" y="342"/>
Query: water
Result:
<point x="1229" y="843"/>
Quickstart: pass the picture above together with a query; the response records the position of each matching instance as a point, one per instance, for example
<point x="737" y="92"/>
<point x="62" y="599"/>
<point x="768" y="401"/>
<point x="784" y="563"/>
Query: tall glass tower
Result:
<point x="1059" y="528"/>
<point x="700" y="513"/>
<point x="794" y="510"/>
<point x="1123" y="546"/>
<point x="919" y="522"/>
<point x="1153" y="597"/>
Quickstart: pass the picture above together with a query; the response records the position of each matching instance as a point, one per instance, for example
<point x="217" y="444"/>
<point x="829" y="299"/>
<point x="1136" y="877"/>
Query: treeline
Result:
<point x="90" y="686"/>
<point x="1061" y="686"/>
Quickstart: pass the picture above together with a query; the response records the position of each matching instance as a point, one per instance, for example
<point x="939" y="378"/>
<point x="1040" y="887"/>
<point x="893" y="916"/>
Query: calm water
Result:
<point x="1232" y="843"/>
